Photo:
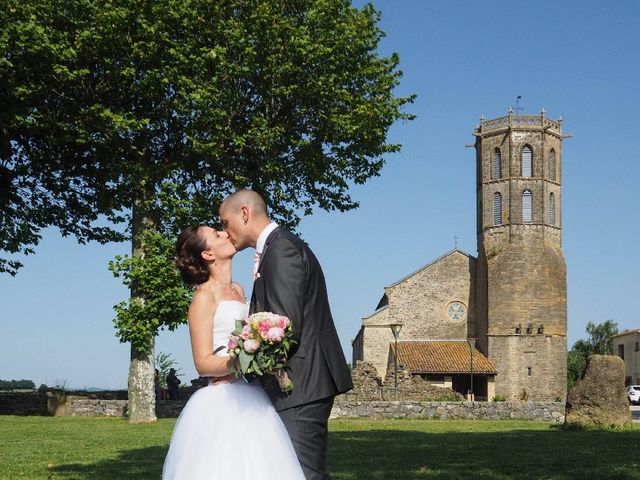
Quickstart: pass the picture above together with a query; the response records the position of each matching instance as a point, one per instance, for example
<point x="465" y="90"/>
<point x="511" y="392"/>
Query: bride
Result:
<point x="228" y="429"/>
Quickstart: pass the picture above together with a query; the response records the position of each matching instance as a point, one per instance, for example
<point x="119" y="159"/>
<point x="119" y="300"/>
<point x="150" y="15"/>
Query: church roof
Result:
<point x="451" y="252"/>
<point x="443" y="357"/>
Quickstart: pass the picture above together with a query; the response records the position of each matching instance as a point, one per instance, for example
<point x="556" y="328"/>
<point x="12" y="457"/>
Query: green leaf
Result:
<point x="245" y="359"/>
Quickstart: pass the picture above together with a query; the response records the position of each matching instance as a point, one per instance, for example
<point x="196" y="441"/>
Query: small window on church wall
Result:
<point x="552" y="209"/>
<point x="529" y="371"/>
<point x="621" y="351"/>
<point x="552" y="165"/>
<point x="497" y="164"/>
<point x="497" y="209"/>
<point x="526" y="161"/>
<point x="526" y="206"/>
<point x="637" y="346"/>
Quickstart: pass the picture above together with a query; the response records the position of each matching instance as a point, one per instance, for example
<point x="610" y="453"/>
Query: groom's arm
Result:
<point x="283" y="272"/>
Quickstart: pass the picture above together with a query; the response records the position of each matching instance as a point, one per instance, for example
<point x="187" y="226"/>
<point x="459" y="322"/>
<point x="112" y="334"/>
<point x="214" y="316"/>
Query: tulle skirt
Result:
<point x="230" y="431"/>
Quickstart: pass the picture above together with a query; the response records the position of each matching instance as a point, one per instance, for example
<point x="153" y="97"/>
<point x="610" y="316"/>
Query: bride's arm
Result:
<point x="201" y="314"/>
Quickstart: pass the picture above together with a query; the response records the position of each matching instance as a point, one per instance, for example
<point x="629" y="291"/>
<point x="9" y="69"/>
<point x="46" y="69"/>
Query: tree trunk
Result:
<point x="142" y="398"/>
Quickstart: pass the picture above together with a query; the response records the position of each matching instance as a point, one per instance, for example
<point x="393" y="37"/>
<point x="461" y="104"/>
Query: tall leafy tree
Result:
<point x="45" y="176"/>
<point x="599" y="341"/>
<point x="137" y="118"/>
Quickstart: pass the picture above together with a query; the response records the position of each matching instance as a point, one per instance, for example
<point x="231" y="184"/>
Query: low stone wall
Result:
<point x="545" y="411"/>
<point x="27" y="403"/>
<point x="78" y="406"/>
<point x="37" y="403"/>
<point x="169" y="408"/>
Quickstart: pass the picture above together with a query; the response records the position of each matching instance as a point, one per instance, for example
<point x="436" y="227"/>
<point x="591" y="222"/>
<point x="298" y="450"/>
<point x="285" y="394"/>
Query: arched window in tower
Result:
<point x="552" y="209"/>
<point x="497" y="209"/>
<point x="526" y="206"/>
<point x="526" y="161"/>
<point x="552" y="165"/>
<point x="497" y="164"/>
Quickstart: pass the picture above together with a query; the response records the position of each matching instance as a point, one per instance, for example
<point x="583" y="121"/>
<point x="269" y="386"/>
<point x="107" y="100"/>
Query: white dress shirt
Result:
<point x="262" y="238"/>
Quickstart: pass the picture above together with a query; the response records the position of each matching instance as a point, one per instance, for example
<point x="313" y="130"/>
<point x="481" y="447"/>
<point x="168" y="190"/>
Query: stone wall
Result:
<point x="345" y="407"/>
<point x="102" y="404"/>
<point x="27" y="403"/>
<point x="545" y="355"/>
<point x="511" y="184"/>
<point x="78" y="406"/>
<point x="544" y="411"/>
<point x="527" y="287"/>
<point x="522" y="276"/>
<point x="419" y="302"/>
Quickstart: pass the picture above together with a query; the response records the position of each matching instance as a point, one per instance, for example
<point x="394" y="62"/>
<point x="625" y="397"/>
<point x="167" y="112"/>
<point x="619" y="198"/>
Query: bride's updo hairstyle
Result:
<point x="192" y="267"/>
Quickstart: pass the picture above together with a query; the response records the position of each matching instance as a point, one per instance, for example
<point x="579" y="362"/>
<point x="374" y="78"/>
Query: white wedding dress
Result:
<point x="230" y="430"/>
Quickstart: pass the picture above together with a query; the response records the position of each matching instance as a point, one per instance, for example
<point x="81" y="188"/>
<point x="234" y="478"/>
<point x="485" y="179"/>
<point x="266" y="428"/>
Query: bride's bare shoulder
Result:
<point x="203" y="304"/>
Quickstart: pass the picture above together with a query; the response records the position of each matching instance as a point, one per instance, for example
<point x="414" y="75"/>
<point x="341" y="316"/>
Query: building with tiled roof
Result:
<point x="506" y="309"/>
<point x="449" y="357"/>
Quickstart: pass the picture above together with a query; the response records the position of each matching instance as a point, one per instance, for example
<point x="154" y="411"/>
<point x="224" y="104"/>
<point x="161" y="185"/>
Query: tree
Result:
<point x="598" y="342"/>
<point x="164" y="363"/>
<point x="36" y="40"/>
<point x="17" y="385"/>
<point x="153" y="111"/>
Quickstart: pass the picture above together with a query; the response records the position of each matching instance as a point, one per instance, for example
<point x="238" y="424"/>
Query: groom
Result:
<point x="288" y="281"/>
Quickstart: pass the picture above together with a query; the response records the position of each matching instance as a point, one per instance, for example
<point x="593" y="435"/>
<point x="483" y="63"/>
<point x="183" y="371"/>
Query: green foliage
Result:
<point x="17" y="384"/>
<point x="107" y="105"/>
<point x="164" y="363"/>
<point x="129" y="119"/>
<point x="162" y="300"/>
<point x="46" y="174"/>
<point x="598" y="342"/>
<point x="499" y="398"/>
<point x="576" y="366"/>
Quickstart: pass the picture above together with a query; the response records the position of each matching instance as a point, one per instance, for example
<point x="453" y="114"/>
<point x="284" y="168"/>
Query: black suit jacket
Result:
<point x="290" y="282"/>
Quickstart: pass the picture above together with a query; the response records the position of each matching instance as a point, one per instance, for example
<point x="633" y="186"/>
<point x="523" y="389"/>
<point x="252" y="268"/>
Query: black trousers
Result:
<point x="307" y="427"/>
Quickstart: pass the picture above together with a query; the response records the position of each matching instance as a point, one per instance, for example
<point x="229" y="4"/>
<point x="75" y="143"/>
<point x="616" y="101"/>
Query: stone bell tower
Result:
<point x="521" y="274"/>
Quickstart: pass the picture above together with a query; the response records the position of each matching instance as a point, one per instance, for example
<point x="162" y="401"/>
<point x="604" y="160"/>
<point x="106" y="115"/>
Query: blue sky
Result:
<point x="576" y="59"/>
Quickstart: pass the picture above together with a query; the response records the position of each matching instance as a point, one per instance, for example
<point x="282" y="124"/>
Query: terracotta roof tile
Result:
<point x="442" y="357"/>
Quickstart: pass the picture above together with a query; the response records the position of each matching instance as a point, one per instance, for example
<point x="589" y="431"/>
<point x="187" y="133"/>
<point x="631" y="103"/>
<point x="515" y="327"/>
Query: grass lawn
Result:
<point x="107" y="448"/>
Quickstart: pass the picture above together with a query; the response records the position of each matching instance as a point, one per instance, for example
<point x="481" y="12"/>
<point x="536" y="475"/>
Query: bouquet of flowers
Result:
<point x="261" y="346"/>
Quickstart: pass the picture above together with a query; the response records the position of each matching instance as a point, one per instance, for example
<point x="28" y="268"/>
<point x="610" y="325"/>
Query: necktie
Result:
<point x="256" y="262"/>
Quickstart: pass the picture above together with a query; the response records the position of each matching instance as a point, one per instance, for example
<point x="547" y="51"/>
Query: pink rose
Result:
<point x="275" y="334"/>
<point x="282" y="322"/>
<point x="263" y="328"/>
<point x="250" y="346"/>
<point x="246" y="332"/>
<point x="233" y="343"/>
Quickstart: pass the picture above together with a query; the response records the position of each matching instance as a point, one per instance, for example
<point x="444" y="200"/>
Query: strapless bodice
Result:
<point x="224" y="322"/>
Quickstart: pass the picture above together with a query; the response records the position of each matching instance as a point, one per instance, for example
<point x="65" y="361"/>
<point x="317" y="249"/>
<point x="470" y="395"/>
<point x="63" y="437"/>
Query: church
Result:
<point x="495" y="325"/>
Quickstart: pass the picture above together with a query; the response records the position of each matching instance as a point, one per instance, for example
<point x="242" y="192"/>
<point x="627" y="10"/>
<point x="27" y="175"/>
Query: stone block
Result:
<point x="598" y="400"/>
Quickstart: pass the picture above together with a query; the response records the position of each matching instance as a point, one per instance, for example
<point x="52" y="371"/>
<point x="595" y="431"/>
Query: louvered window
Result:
<point x="552" y="165"/>
<point x="526" y="206"/>
<point x="497" y="209"/>
<point x="497" y="164"/>
<point x="552" y="209"/>
<point x="526" y="161"/>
